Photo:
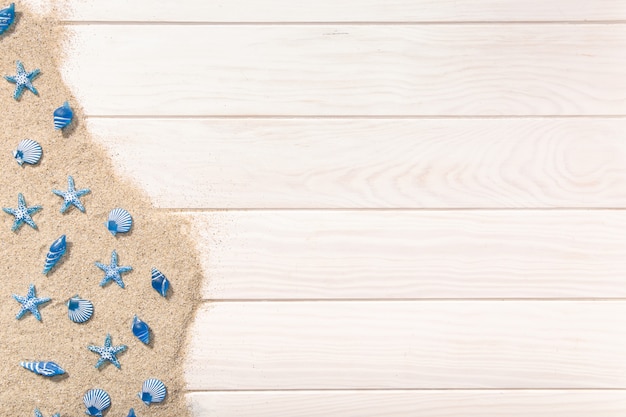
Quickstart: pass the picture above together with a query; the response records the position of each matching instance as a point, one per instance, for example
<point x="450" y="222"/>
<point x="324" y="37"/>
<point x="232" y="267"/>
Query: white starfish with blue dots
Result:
<point x="107" y="352"/>
<point x="22" y="213"/>
<point x="112" y="271"/>
<point x="22" y="80"/>
<point x="30" y="303"/>
<point x="71" y="196"/>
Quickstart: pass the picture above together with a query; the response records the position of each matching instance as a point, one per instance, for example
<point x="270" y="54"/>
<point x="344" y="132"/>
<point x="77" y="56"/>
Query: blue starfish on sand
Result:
<point x="22" y="213"/>
<point x="30" y="303"/>
<point x="107" y="352"/>
<point x="22" y="80"/>
<point x="113" y="272"/>
<point x="38" y="413"/>
<point x="71" y="196"/>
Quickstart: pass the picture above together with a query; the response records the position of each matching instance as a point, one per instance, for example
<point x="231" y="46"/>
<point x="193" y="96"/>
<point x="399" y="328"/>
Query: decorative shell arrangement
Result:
<point x="28" y="152"/>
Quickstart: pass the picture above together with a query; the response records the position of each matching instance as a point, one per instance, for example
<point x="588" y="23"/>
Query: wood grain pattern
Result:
<point x="347" y="10"/>
<point x="334" y="70"/>
<point x="431" y="403"/>
<point x="455" y="344"/>
<point x="347" y="163"/>
<point x="411" y="254"/>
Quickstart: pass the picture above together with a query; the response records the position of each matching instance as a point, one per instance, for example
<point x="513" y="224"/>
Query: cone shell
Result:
<point x="153" y="391"/>
<point x="160" y="282"/>
<point x="141" y="330"/>
<point x="79" y="310"/>
<point x="7" y="17"/>
<point x="43" y="368"/>
<point x="96" y="401"/>
<point x="57" y="250"/>
<point x="119" y="221"/>
<point x="28" y="152"/>
<point x="63" y="116"/>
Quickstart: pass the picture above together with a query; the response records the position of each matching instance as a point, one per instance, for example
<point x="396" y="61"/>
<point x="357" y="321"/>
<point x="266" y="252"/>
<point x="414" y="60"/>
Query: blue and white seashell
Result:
<point x="153" y="391"/>
<point x="131" y="413"/>
<point x="43" y="368"/>
<point x="141" y="330"/>
<point x="79" y="310"/>
<point x="57" y="250"/>
<point x="119" y="221"/>
<point x="96" y="401"/>
<point x="160" y="282"/>
<point x="7" y="17"/>
<point x="28" y="151"/>
<point x="63" y="116"/>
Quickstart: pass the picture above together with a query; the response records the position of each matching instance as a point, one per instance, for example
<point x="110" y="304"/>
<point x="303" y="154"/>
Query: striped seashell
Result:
<point x="79" y="310"/>
<point x="153" y="391"/>
<point x="96" y="401"/>
<point x="63" y="116"/>
<point x="28" y="151"/>
<point x="57" y="250"/>
<point x="119" y="221"/>
<point x="43" y="368"/>
<point x="7" y="17"/>
<point x="160" y="282"/>
<point x="131" y="413"/>
<point x="141" y="330"/>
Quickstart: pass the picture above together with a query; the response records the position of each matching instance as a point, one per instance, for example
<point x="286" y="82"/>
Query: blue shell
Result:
<point x="96" y="401"/>
<point x="160" y="282"/>
<point x="79" y="310"/>
<point x="57" y="249"/>
<point x="7" y="16"/>
<point x="28" y="151"/>
<point x="141" y="330"/>
<point x="153" y="391"/>
<point x="63" y="116"/>
<point x="119" y="221"/>
<point x="131" y="413"/>
<point x="43" y="368"/>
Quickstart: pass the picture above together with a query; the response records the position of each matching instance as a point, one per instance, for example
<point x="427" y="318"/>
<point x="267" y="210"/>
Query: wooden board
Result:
<point x="346" y="10"/>
<point x="292" y="255"/>
<point x="432" y="403"/>
<point x="402" y="345"/>
<point x="330" y="70"/>
<point x="354" y="163"/>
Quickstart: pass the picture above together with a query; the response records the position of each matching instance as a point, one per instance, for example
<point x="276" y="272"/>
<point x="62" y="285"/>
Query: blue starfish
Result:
<point x="70" y="197"/>
<point x="22" y="213"/>
<point x="22" y="80"/>
<point x="30" y="303"/>
<point x="107" y="352"/>
<point x="38" y="413"/>
<point x="113" y="272"/>
<point x="131" y="413"/>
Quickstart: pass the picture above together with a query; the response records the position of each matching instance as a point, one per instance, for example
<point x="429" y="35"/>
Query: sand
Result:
<point x="158" y="239"/>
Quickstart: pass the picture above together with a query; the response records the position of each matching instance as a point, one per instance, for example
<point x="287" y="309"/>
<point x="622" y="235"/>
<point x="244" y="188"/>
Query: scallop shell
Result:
<point x="96" y="401"/>
<point x="43" y="368"/>
<point x="63" y="116"/>
<point x="7" y="16"/>
<point x="131" y="413"/>
<point x="119" y="221"/>
<point x="160" y="282"/>
<point x="153" y="391"/>
<point x="141" y="330"/>
<point x="79" y="310"/>
<point x="28" y="151"/>
<point x="57" y="250"/>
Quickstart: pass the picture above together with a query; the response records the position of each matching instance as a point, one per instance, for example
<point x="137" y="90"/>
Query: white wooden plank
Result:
<point x="348" y="163"/>
<point x="291" y="255"/>
<point x="432" y="403"/>
<point x="346" y="10"/>
<point x="348" y="69"/>
<point x="456" y="344"/>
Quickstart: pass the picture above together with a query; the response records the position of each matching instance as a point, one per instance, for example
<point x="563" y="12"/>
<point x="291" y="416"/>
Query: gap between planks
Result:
<point x="347" y="22"/>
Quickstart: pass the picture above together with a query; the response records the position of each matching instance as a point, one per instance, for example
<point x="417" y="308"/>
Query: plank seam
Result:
<point x="345" y="22"/>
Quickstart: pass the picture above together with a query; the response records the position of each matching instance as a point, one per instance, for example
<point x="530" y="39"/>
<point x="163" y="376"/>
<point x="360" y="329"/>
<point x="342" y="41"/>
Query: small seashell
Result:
<point x="43" y="368"/>
<point x="79" y="310"/>
<point x="119" y="221"/>
<point x="153" y="391"/>
<point x="131" y="413"/>
<point x="57" y="249"/>
<point x="141" y="330"/>
<point x="160" y="282"/>
<point x="96" y="401"/>
<point x="28" y="151"/>
<point x="7" y="17"/>
<point x="63" y="116"/>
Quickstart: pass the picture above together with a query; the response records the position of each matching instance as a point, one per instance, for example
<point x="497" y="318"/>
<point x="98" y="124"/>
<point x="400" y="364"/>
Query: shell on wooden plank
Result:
<point x="7" y="17"/>
<point x="141" y="330"/>
<point x="96" y="401"/>
<point x="28" y="152"/>
<point x="63" y="116"/>
<point x="43" y="368"/>
<point x="153" y="391"/>
<point x="119" y="221"/>
<point x="56" y="252"/>
<point x="160" y="282"/>
<point x="79" y="310"/>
